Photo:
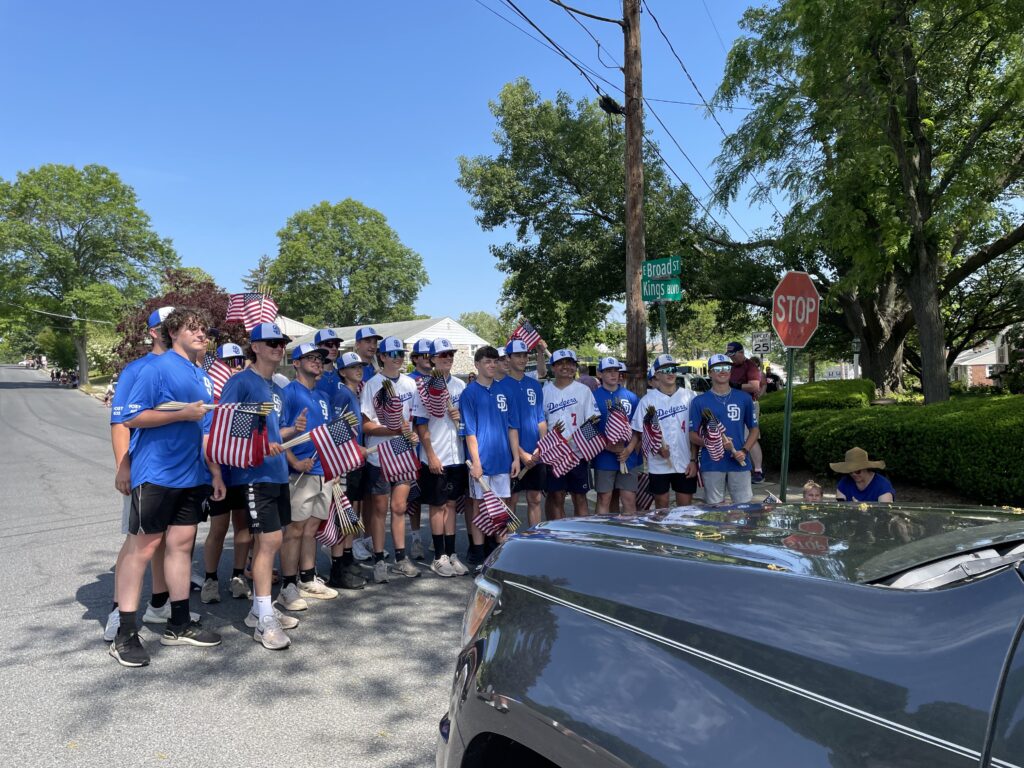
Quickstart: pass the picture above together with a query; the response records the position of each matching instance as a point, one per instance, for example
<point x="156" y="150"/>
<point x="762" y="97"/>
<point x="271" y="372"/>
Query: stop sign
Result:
<point x="795" y="304"/>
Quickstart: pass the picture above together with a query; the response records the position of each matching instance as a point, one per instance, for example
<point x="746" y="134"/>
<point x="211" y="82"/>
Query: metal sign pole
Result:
<point x="664" y="327"/>
<point x="786" y="423"/>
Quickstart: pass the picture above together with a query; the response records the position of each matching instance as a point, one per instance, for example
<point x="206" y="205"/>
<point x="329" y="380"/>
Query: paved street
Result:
<point x="364" y="683"/>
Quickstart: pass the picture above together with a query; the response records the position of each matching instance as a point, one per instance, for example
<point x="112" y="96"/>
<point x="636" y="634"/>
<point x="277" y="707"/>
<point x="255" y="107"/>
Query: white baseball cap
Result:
<point x="515" y="346"/>
<point x="608" y="362"/>
<point x="390" y="344"/>
<point x="663" y="361"/>
<point x="563" y="354"/>
<point x="229" y="350"/>
<point x="157" y="316"/>
<point x="421" y="347"/>
<point x="719" y="359"/>
<point x="367" y="333"/>
<point x="348" y="359"/>
<point x="437" y="346"/>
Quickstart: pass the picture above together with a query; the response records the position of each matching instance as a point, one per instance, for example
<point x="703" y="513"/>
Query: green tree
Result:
<point x="342" y="264"/>
<point x="897" y="130"/>
<point x="258" y="278"/>
<point x="75" y="242"/>
<point x="486" y="326"/>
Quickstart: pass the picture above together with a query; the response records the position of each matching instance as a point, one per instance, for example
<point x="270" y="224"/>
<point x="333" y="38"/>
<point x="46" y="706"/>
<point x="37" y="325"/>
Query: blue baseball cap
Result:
<point x="390" y="344"/>
<point x="623" y="367"/>
<point x="437" y="346"/>
<point x="326" y="334"/>
<point x="229" y="350"/>
<point x="367" y="333"/>
<point x="515" y="346"/>
<point x="421" y="347"/>
<point x="663" y="361"/>
<point x="719" y="359"/>
<point x="267" y="332"/>
<point x="308" y="349"/>
<point x="608" y="362"/>
<point x="650" y="372"/>
<point x="347" y="360"/>
<point x="157" y="316"/>
<point x="563" y="354"/>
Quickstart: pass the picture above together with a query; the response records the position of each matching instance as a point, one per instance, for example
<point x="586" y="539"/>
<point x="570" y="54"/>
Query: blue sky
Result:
<point x="228" y="117"/>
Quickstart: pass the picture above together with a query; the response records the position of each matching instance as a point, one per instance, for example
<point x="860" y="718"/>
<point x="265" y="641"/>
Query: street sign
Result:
<point x="661" y="290"/>
<point x="807" y="543"/>
<point x="761" y="343"/>
<point x="812" y="526"/>
<point x="795" y="305"/>
<point x="662" y="269"/>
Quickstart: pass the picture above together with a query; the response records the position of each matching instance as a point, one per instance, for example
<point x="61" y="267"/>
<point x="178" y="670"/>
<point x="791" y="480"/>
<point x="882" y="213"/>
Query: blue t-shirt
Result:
<point x="527" y="410"/>
<point x="485" y="414"/>
<point x="125" y="382"/>
<point x="368" y="372"/>
<point x="328" y="383"/>
<point x="249" y="387"/>
<point x="736" y="411"/>
<point x="347" y="400"/>
<point x="318" y="412"/>
<point x="606" y="459"/>
<point x="171" y="455"/>
<point x="878" y="486"/>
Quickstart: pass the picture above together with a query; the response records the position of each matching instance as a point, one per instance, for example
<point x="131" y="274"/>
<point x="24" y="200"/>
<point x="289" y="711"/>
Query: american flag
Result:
<point x="341" y="520"/>
<point x="251" y="309"/>
<point x="492" y="515"/>
<point x="218" y="372"/>
<point x="617" y="428"/>
<point x="644" y="498"/>
<point x="556" y="451"/>
<point x="388" y="406"/>
<point x="329" y="532"/>
<point x="434" y="394"/>
<point x="527" y="334"/>
<point x="587" y="440"/>
<point x="337" y="448"/>
<point x="652" y="439"/>
<point x="398" y="459"/>
<point x="235" y="437"/>
<point x="713" y="434"/>
<point x="413" y="503"/>
<point x="460" y="505"/>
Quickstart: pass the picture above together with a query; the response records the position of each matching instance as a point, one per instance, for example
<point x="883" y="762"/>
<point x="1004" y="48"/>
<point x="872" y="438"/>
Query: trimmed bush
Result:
<point x="823" y="395"/>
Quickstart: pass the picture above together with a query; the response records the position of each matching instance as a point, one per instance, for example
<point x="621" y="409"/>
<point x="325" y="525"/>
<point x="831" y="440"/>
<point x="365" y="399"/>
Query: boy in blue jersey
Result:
<point x="492" y="442"/>
<point x="734" y="408"/>
<point x="607" y="475"/>
<point x="170" y="480"/>
<point x="421" y="367"/>
<point x="365" y="346"/>
<point x="330" y="342"/>
<point x="528" y="400"/>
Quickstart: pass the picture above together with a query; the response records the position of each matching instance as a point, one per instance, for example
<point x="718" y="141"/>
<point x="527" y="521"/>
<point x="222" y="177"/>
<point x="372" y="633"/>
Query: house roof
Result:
<point x="986" y="354"/>
<point x="409" y="331"/>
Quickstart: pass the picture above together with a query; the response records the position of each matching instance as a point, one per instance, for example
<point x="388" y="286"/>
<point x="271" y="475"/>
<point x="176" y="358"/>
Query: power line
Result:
<point x="714" y="26"/>
<point x="54" y="314"/>
<point x="585" y="28"/>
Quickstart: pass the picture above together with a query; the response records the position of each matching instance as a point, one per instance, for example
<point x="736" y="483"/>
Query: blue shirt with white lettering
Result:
<point x="329" y="382"/>
<point x="485" y="414"/>
<point x="125" y="382"/>
<point x="297" y="396"/>
<point x="171" y="455"/>
<point x="527" y="397"/>
<point x="606" y="459"/>
<point x="736" y="412"/>
<point x="249" y="387"/>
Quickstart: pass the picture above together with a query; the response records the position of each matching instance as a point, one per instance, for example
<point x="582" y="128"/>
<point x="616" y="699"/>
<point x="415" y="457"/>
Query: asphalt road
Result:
<point x="364" y="683"/>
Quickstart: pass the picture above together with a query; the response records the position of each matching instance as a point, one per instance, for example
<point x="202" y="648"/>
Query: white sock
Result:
<point x="263" y="607"/>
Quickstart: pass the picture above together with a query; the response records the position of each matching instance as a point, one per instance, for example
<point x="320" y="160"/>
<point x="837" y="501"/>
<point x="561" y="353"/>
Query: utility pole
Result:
<point x="636" y="313"/>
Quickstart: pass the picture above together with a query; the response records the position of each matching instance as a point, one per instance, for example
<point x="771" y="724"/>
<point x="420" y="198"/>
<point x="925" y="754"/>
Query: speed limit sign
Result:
<point x="761" y="343"/>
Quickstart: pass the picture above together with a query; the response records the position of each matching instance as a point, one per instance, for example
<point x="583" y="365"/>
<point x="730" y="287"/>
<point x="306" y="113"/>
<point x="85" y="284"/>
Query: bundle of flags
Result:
<point x="238" y="436"/>
<point x="587" y="441"/>
<point x="398" y="459"/>
<point x="644" y="497"/>
<point x="337" y="448"/>
<point x="388" y="406"/>
<point x="526" y="333"/>
<point x="617" y="427"/>
<point x="434" y="394"/>
<point x="493" y="515"/>
<point x="218" y="372"/>
<point x="556" y="451"/>
<point x="651" y="439"/>
<point x="251" y="309"/>
<point x="341" y="521"/>
<point x="715" y="440"/>
<point x="413" y="504"/>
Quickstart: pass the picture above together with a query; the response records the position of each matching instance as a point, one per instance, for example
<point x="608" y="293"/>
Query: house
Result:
<point x="981" y="366"/>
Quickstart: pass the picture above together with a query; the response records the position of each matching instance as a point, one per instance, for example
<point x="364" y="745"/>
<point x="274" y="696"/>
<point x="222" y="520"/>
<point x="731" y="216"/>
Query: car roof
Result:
<point x="851" y="542"/>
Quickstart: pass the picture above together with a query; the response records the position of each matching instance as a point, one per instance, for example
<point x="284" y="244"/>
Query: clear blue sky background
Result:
<point x="227" y="117"/>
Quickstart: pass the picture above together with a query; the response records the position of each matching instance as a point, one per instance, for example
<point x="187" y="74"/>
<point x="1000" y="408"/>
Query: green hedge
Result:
<point x="975" y="445"/>
<point x="823" y="395"/>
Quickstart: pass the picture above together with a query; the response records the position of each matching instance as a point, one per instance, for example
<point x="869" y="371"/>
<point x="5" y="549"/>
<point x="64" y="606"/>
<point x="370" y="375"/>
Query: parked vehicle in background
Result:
<point x="831" y="635"/>
<point x="693" y="381"/>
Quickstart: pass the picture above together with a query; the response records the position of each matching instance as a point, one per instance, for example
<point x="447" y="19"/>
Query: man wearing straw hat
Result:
<point x="860" y="482"/>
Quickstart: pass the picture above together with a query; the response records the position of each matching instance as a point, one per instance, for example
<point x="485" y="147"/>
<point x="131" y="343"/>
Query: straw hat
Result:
<point x="856" y="458"/>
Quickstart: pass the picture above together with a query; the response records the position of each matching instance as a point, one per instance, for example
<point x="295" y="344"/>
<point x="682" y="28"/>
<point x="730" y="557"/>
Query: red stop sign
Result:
<point x="795" y="304"/>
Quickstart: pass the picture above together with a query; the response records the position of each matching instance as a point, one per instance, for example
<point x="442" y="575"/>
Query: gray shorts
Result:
<point x="715" y="483"/>
<point x="608" y="480"/>
<point x="125" y="512"/>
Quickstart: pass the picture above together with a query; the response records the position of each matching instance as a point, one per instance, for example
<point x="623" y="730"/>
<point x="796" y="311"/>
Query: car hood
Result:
<point x="854" y="542"/>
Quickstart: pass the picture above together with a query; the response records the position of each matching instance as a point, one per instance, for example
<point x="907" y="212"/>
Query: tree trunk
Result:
<point x="811" y="368"/>
<point x="924" y="300"/>
<point x="83" y="355"/>
<point x="883" y="365"/>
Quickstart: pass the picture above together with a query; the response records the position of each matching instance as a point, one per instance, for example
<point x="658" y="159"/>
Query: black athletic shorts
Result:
<point x="438" y="490"/>
<point x="577" y="480"/>
<point x="536" y="479"/>
<point x="269" y="505"/>
<point x="679" y="482"/>
<point x="357" y="484"/>
<point x="234" y="499"/>
<point x="156" y="507"/>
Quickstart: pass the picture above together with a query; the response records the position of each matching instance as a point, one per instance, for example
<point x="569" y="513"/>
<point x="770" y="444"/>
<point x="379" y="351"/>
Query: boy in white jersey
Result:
<point x="571" y="403"/>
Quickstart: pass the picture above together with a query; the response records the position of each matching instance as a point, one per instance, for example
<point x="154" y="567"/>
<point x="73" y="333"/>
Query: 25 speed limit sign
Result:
<point x="761" y="343"/>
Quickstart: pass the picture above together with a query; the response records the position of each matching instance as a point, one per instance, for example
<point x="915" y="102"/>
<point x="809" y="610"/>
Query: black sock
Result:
<point x="347" y="558"/>
<point x="476" y="553"/>
<point x="291" y="580"/>
<point x="449" y="544"/>
<point x="128" y="623"/>
<point x="211" y="575"/>
<point x="159" y="599"/>
<point x="237" y="572"/>
<point x="307" y="575"/>
<point x="179" y="612"/>
<point x="113" y="606"/>
<point x="378" y="557"/>
<point x="438" y="539"/>
<point x="399" y="555"/>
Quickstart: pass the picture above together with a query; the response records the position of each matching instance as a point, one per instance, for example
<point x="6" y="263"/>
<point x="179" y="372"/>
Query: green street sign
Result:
<point x="662" y="269"/>
<point x="661" y="290"/>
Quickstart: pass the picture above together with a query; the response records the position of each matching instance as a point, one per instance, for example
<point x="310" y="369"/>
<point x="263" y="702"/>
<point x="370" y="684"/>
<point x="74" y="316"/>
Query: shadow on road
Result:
<point x="30" y="385"/>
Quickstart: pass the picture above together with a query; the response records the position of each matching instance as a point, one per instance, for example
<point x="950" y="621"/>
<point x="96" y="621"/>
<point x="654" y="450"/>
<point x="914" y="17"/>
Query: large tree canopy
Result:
<point x="76" y="243"/>
<point x="342" y="264"/>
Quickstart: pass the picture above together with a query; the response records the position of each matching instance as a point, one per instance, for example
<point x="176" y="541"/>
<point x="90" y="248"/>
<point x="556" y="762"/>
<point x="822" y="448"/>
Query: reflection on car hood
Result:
<point x="841" y="541"/>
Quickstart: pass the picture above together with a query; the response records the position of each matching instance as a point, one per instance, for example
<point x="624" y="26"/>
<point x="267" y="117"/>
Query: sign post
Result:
<point x="659" y="282"/>
<point x="795" y="306"/>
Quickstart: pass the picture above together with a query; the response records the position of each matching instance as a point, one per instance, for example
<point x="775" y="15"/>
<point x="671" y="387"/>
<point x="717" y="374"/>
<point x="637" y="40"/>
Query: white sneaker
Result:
<point x="380" y="572"/>
<point x="290" y="599"/>
<point x="457" y="566"/>
<point x="416" y="550"/>
<point x="113" y="622"/>
<point x="287" y="622"/>
<point x="210" y="592"/>
<point x="317" y="589"/>
<point x="162" y="614"/>
<point x="270" y="632"/>
<point x="362" y="549"/>
<point x="240" y="588"/>
<point x="405" y="567"/>
<point x="442" y="567"/>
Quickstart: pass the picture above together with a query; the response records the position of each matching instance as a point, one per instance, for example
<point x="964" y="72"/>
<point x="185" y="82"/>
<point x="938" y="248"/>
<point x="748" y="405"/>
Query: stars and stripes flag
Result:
<point x="413" y="503"/>
<point x="388" y="406"/>
<point x="617" y="428"/>
<point x="434" y="394"/>
<point x="460" y="505"/>
<point x="251" y="309"/>
<point x="651" y="439"/>
<point x="644" y="497"/>
<point x="492" y="515"/>
<point x="526" y="333"/>
<point x="341" y="521"/>
<point x="236" y="438"/>
<point x="337" y="448"/>
<point x="398" y="459"/>
<point x="587" y="441"/>
<point x="218" y="372"/>
<point x="556" y="451"/>
<point x="714" y="435"/>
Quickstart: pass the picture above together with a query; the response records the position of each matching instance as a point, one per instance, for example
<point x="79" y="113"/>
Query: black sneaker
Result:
<point x="758" y="477"/>
<point x="355" y="569"/>
<point x="189" y="634"/>
<point x="129" y="651"/>
<point x="343" y="578"/>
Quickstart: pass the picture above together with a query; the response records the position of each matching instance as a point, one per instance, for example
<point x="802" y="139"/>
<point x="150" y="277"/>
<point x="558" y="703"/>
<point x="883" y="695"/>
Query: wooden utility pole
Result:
<point x="636" y="313"/>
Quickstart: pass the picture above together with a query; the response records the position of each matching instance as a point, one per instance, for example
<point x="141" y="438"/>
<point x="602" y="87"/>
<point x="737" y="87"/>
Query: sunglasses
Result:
<point x="721" y="368"/>
<point x="669" y="369"/>
<point x="312" y="358"/>
<point x="445" y="354"/>
<point x="274" y="343"/>
<point x="395" y="354"/>
<point x="333" y="344"/>
<point x="234" y="362"/>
